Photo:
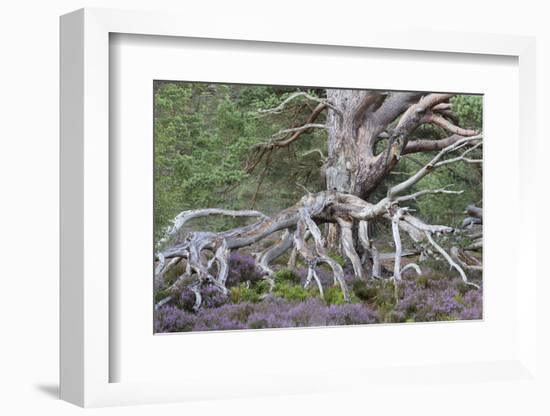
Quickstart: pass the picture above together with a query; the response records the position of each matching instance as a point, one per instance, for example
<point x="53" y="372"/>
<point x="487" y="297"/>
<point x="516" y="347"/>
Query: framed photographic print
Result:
<point x="297" y="244"/>
<point x="236" y="224"/>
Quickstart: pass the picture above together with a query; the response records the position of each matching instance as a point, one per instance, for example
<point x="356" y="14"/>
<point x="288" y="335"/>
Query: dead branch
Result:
<point x="462" y="157"/>
<point x="185" y="216"/>
<point x="440" y="121"/>
<point x="322" y="156"/>
<point x="281" y="107"/>
<point x="434" y="163"/>
<point x="429" y="145"/>
<point x="283" y="138"/>
<point x="426" y="192"/>
<point x="284" y="132"/>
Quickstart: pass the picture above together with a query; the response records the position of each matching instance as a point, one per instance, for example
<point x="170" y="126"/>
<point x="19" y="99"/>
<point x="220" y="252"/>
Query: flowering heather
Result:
<point x="211" y="298"/>
<point x="171" y="319"/>
<point x="437" y="299"/>
<point x="242" y="268"/>
<point x="429" y="297"/>
<point x="351" y="314"/>
<point x="270" y="313"/>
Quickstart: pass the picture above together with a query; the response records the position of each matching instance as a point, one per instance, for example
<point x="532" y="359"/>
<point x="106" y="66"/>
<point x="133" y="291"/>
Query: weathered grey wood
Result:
<point x="370" y="249"/>
<point x="452" y="263"/>
<point x="348" y="247"/>
<point x="272" y="254"/>
<point x="404" y="253"/>
<point x="397" y="239"/>
<point x="183" y="217"/>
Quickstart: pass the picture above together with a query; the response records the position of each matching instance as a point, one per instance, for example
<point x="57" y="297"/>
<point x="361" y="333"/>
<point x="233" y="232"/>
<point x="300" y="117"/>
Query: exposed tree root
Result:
<point x="370" y="250"/>
<point x="451" y="262"/>
<point x="206" y="254"/>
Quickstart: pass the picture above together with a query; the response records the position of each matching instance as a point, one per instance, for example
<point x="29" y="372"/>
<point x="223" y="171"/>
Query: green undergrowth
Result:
<point x="392" y="302"/>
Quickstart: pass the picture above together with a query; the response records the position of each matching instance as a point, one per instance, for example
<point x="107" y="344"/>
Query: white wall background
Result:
<point x="29" y="179"/>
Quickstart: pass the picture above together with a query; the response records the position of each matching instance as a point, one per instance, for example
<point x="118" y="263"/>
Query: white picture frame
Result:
<point x="86" y="356"/>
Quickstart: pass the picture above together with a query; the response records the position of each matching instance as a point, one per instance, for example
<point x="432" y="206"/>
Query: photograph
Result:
<point x="301" y="206"/>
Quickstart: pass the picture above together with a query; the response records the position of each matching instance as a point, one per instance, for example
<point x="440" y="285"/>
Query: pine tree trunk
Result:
<point x="350" y="151"/>
<point x="352" y="166"/>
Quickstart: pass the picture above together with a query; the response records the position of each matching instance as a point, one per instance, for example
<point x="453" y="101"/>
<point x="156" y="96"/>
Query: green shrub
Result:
<point x="435" y="268"/>
<point x="362" y="291"/>
<point x="387" y="313"/>
<point x="385" y="295"/>
<point x="161" y="294"/>
<point x="334" y="296"/>
<point x="286" y="275"/>
<point x="243" y="293"/>
<point x="261" y="287"/>
<point x="291" y="292"/>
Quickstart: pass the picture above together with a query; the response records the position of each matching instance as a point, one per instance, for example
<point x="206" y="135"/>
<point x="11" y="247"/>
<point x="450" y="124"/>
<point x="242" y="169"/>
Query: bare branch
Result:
<point x="429" y="145"/>
<point x="408" y="122"/>
<point x="413" y="266"/>
<point x="461" y="157"/>
<point x="449" y="115"/>
<point x="299" y="129"/>
<point x="281" y="107"/>
<point x="278" y="141"/>
<point x="322" y="156"/>
<point x="434" y="163"/>
<point x="426" y="192"/>
<point x="394" y="105"/>
<point x="442" y="122"/>
<point x="442" y="107"/>
<point x="185" y="216"/>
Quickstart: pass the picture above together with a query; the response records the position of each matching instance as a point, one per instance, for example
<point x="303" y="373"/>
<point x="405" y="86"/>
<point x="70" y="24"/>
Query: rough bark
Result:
<point x="357" y="119"/>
